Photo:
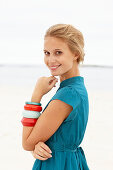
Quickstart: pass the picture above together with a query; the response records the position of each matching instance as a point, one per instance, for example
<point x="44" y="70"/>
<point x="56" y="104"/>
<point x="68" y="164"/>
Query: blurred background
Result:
<point x="22" y="28"/>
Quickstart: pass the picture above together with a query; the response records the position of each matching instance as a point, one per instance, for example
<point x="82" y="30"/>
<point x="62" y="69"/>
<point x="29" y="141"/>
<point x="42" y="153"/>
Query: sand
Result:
<point x="97" y="143"/>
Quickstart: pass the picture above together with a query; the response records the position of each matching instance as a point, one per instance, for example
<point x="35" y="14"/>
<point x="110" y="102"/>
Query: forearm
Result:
<point x="28" y="130"/>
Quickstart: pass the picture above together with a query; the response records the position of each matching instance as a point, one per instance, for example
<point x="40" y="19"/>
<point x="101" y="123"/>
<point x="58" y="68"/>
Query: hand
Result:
<point x="44" y="85"/>
<point x="41" y="151"/>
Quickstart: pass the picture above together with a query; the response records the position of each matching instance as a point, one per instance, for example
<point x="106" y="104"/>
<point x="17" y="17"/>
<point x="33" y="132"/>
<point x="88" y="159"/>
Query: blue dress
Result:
<point x="64" y="143"/>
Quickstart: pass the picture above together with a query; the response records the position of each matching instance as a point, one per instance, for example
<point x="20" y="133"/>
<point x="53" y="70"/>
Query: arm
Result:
<point x="27" y="130"/>
<point x="46" y="125"/>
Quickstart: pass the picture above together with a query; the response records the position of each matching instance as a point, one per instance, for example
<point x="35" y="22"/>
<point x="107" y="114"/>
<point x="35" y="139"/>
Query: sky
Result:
<point x="23" y="24"/>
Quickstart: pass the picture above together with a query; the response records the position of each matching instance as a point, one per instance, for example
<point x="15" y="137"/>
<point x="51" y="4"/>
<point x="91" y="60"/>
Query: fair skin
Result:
<point x="50" y="120"/>
<point x="69" y="66"/>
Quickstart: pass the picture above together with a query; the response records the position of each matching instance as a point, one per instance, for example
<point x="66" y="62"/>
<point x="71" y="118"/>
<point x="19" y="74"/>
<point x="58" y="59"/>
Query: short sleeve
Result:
<point x="70" y="96"/>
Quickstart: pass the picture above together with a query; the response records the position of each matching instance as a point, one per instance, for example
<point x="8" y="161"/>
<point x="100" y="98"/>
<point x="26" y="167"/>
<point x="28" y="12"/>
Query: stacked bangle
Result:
<point x="28" y="121"/>
<point x="39" y="104"/>
<point x="33" y="107"/>
<point x="31" y="113"/>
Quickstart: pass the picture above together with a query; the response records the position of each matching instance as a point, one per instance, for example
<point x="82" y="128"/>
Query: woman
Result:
<point x="62" y="124"/>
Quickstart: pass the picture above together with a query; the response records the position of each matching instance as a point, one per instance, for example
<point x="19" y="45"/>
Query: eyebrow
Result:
<point x="54" y="50"/>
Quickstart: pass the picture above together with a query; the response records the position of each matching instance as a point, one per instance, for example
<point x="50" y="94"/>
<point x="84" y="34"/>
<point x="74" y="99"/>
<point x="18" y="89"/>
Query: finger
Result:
<point x="36" y="156"/>
<point x="52" y="78"/>
<point x="44" y="153"/>
<point x="50" y="81"/>
<point x="53" y="83"/>
<point x="44" y="146"/>
<point x="39" y="154"/>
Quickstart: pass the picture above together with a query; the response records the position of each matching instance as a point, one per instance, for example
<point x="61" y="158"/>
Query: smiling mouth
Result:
<point x="54" y="68"/>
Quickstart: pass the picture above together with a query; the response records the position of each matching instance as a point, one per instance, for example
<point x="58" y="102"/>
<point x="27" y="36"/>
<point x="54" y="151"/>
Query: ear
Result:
<point x="75" y="57"/>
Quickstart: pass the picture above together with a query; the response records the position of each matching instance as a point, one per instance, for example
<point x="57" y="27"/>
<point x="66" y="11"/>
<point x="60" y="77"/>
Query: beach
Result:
<point x="16" y="87"/>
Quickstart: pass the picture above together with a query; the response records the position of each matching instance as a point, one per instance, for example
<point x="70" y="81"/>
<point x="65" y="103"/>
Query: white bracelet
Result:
<point x="30" y="114"/>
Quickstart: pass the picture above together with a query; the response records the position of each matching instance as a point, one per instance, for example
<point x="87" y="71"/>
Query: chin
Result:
<point x="54" y="74"/>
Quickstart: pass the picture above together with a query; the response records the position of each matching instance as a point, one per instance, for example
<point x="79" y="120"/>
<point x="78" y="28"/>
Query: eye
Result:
<point x="46" y="53"/>
<point x="58" y="52"/>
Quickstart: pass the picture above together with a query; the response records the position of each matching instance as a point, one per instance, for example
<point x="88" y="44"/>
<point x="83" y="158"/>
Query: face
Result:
<point x="58" y="57"/>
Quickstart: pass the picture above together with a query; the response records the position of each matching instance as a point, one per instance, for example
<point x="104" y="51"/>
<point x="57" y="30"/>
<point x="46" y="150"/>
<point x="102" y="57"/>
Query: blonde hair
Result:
<point x="72" y="36"/>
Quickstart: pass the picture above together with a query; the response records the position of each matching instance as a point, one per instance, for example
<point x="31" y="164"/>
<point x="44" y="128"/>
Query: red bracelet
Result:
<point x="33" y="107"/>
<point x="28" y="121"/>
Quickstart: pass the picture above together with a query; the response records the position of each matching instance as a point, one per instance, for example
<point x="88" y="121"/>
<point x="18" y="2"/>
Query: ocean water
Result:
<point x="95" y="77"/>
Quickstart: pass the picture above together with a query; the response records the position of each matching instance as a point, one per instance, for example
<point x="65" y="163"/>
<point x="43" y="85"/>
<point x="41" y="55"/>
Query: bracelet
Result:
<point x="39" y="104"/>
<point x="33" y="107"/>
<point x="30" y="114"/>
<point x="28" y="121"/>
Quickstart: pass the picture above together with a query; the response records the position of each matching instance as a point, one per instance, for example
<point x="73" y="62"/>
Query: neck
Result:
<point x="74" y="71"/>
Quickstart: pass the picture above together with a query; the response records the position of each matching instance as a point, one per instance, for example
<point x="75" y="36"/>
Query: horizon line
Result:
<point x="35" y="65"/>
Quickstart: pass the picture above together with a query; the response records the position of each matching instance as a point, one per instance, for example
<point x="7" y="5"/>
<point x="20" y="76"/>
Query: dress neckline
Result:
<point x="71" y="80"/>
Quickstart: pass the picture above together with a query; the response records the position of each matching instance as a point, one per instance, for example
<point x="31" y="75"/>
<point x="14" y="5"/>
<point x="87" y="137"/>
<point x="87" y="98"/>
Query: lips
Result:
<point x="54" y="67"/>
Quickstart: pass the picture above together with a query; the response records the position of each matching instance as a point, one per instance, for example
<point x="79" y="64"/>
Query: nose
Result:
<point x="52" y="59"/>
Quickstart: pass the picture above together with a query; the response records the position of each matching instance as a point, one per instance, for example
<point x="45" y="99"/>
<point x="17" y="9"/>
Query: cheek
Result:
<point x="67" y="65"/>
<point x="66" y="62"/>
